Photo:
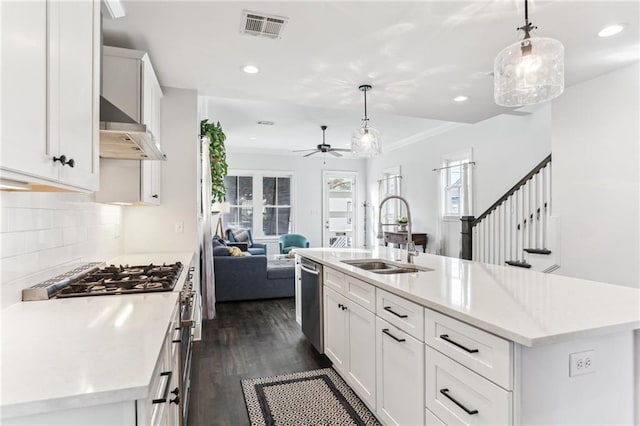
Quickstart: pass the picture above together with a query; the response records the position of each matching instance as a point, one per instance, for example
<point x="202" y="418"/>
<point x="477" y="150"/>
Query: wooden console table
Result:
<point x="400" y="238"/>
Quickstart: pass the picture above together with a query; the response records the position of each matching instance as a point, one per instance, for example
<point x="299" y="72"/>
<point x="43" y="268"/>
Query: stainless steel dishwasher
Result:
<point x="311" y="294"/>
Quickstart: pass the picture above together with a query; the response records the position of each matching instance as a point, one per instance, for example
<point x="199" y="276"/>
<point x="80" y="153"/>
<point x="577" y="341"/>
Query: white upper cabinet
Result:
<point x="49" y="93"/>
<point x="130" y="83"/>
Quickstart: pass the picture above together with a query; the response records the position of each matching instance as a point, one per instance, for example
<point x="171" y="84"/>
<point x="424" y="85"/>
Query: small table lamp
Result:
<point x="220" y="208"/>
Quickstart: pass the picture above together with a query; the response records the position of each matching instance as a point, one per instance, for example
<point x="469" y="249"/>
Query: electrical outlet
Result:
<point x="582" y="363"/>
<point x="179" y="227"/>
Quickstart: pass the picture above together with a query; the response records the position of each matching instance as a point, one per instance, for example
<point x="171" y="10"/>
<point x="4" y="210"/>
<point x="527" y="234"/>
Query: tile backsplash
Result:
<point x="40" y="231"/>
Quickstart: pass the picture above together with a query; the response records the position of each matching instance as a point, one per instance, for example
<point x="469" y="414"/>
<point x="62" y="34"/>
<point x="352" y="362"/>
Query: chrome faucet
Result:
<point x="411" y="247"/>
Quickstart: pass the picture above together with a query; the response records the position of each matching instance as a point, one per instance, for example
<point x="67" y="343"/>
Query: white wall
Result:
<point x="39" y="232"/>
<point x="307" y="176"/>
<point x="596" y="178"/>
<point x="153" y="229"/>
<point x="504" y="148"/>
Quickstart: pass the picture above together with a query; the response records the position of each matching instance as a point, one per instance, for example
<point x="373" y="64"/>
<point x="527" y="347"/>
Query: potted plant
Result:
<point x="218" y="157"/>
<point x="402" y="221"/>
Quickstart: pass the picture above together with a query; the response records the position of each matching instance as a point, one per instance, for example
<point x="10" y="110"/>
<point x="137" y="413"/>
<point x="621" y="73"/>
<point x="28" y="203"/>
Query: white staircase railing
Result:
<point x="516" y="226"/>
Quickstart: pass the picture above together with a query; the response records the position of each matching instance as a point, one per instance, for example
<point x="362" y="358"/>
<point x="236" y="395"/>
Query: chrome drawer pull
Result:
<point x="166" y="388"/>
<point x="388" y="309"/>
<point x="446" y="338"/>
<point x="445" y="392"/>
<point x="386" y="331"/>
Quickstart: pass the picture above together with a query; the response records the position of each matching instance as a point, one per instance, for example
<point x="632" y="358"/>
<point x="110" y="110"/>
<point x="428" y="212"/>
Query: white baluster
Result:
<point x="480" y="241"/>
<point x="526" y="241"/>
<point x="543" y="212"/>
<point x="503" y="242"/>
<point x="492" y="243"/>
<point x="547" y="198"/>
<point x="507" y="229"/>
<point x="534" y="210"/>
<point x="496" y="236"/>
<point x="486" y="239"/>
<point x="520" y="225"/>
<point x="474" y="243"/>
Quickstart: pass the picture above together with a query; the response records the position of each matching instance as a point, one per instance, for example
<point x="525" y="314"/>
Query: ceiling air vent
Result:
<point x="266" y="123"/>
<point x="262" y="25"/>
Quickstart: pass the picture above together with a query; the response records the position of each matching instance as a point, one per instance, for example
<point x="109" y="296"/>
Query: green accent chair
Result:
<point x="289" y="242"/>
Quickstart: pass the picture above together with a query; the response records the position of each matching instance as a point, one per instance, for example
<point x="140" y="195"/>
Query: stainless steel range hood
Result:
<point x="122" y="137"/>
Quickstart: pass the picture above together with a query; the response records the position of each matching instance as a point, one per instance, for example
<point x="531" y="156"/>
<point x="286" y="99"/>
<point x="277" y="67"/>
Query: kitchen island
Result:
<point x="488" y="344"/>
<point x="90" y="360"/>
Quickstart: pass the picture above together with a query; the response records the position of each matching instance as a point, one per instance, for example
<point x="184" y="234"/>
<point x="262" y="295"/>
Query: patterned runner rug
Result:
<point x="317" y="397"/>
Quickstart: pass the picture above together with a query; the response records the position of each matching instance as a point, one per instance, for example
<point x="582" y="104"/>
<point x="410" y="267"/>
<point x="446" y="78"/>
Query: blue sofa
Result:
<point x="250" y="277"/>
<point x="254" y="248"/>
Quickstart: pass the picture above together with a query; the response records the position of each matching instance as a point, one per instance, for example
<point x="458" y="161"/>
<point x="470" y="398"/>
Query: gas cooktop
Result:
<point x="95" y="279"/>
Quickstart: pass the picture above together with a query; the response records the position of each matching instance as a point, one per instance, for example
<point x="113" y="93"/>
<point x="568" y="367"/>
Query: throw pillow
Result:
<point x="218" y="242"/>
<point x="235" y="251"/>
<point x="242" y="236"/>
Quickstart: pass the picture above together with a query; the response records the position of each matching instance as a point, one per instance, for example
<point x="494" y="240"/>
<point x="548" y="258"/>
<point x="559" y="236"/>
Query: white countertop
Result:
<point x="67" y="353"/>
<point x="529" y="308"/>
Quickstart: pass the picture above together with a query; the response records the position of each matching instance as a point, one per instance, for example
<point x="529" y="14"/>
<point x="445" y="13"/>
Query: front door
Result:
<point x="339" y="209"/>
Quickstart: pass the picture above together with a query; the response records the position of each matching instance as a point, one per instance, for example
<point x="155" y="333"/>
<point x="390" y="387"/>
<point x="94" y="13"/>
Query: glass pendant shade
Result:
<point x="366" y="142"/>
<point x="529" y="72"/>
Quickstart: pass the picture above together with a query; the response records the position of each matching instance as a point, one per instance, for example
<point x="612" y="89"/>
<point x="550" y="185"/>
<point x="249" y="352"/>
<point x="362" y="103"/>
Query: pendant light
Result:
<point x="366" y="141"/>
<point x="529" y="71"/>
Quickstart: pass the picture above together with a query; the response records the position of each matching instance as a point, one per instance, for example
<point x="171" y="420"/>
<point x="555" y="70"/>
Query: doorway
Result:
<point x="339" y="209"/>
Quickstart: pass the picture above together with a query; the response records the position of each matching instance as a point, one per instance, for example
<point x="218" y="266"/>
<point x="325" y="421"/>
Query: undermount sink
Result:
<point x="378" y="266"/>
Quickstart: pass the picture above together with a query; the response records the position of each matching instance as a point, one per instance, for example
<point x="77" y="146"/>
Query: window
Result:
<point x="390" y="184"/>
<point x="456" y="174"/>
<point x="240" y="196"/>
<point x="452" y="187"/>
<point x="261" y="201"/>
<point x="276" y="200"/>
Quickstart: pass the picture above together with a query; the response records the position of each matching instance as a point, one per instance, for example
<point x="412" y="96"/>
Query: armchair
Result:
<point x="253" y="248"/>
<point x="288" y="242"/>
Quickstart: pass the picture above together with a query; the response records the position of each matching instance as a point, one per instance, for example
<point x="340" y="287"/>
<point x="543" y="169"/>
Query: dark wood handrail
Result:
<point x="512" y="191"/>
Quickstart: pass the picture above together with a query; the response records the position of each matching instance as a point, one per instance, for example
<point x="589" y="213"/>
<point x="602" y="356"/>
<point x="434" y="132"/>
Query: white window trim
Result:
<point x="257" y="176"/>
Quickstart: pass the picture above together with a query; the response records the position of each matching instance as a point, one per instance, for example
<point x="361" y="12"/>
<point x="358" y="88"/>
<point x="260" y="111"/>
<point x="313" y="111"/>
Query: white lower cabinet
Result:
<point x="362" y="359"/>
<point x="336" y="338"/>
<point x="350" y="343"/>
<point x="400" y="375"/>
<point x="162" y="406"/>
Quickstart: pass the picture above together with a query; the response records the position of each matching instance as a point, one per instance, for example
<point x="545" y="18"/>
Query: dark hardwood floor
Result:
<point x="247" y="339"/>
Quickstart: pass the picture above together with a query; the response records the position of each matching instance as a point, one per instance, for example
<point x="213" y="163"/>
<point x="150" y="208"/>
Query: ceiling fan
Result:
<point x="323" y="147"/>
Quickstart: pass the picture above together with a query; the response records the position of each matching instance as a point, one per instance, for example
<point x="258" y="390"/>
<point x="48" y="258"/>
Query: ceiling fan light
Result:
<point x="366" y="142"/>
<point x="529" y="72"/>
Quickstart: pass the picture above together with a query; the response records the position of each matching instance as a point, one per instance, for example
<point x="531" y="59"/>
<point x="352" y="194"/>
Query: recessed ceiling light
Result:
<point x="250" y="69"/>
<point x="611" y="30"/>
<point x="460" y="98"/>
<point x="252" y="138"/>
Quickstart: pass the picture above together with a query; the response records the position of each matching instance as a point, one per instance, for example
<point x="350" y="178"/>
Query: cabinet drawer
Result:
<point x="458" y="396"/>
<point x="486" y="354"/>
<point x="364" y="294"/>
<point x="402" y="313"/>
<point x="335" y="280"/>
